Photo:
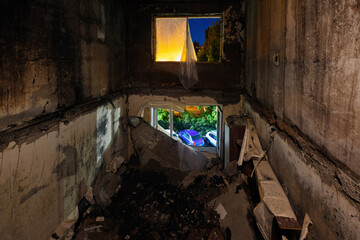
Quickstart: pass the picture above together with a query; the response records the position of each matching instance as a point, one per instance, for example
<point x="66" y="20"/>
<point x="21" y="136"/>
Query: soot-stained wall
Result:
<point x="62" y="68"/>
<point x="57" y="54"/>
<point x="303" y="64"/>
<point x="302" y="79"/>
<point x="144" y="72"/>
<point x="44" y="176"/>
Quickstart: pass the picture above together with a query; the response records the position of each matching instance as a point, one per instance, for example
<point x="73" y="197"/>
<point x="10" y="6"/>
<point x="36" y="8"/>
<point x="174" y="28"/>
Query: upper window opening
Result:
<point x="180" y="38"/>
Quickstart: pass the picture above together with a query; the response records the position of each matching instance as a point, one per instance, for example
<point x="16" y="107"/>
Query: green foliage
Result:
<point x="164" y="124"/>
<point x="163" y="115"/>
<point x="163" y="118"/>
<point x="203" y="123"/>
<point x="210" y="52"/>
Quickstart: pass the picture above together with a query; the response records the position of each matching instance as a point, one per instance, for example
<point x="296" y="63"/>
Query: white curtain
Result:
<point x="174" y="43"/>
<point x="170" y="38"/>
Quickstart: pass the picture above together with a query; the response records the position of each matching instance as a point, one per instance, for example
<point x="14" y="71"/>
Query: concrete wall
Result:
<point x="44" y="176"/>
<point x="313" y="184"/>
<point x="303" y="64"/>
<point x="145" y="73"/>
<point x="302" y="77"/>
<point x="62" y="68"/>
<point x="57" y="54"/>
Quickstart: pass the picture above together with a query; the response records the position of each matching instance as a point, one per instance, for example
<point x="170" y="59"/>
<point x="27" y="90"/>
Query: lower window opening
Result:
<point x="197" y="126"/>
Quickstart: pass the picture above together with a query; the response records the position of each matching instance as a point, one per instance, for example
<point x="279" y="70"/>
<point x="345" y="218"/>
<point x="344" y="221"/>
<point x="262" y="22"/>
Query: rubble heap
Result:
<point x="148" y="206"/>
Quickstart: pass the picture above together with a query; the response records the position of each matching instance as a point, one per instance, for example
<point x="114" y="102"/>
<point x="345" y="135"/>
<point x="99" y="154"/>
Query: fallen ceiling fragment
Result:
<point x="151" y="144"/>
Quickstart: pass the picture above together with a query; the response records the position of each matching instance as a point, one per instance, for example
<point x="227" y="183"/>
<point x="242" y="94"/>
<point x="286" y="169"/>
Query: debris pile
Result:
<point x="166" y="194"/>
<point x="148" y="206"/>
<point x="273" y="213"/>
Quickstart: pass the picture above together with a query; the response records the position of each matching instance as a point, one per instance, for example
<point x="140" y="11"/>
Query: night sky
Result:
<point x="197" y="28"/>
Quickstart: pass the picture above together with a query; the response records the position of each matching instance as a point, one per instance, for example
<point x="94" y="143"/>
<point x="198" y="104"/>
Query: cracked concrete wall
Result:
<point x="57" y="54"/>
<point x="144" y="72"/>
<point x="43" y="177"/>
<point x="302" y="76"/>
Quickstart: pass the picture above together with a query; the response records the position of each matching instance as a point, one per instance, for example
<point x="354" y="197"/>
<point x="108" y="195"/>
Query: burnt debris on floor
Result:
<point x="149" y="207"/>
<point x="170" y="191"/>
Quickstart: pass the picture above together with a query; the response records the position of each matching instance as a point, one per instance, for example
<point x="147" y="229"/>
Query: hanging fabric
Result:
<point x="188" y="73"/>
<point x="174" y="44"/>
<point x="170" y="39"/>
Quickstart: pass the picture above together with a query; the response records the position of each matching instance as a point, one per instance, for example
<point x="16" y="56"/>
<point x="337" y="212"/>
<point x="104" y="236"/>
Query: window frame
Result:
<point x="181" y="15"/>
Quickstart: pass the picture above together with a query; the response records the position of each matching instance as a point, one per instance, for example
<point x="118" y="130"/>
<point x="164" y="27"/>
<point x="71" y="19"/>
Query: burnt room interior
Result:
<point x="81" y="156"/>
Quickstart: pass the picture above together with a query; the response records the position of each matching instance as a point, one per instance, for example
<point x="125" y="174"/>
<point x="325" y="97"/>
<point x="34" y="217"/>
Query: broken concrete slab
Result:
<point x="115" y="163"/>
<point x="134" y="121"/>
<point x="151" y="144"/>
<point x="105" y="187"/>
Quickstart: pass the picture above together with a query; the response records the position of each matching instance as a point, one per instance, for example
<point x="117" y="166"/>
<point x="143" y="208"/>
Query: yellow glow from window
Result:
<point x="170" y="38"/>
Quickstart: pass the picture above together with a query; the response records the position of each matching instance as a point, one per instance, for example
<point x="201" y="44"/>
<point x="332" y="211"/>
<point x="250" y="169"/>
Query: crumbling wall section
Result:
<point x="313" y="184"/>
